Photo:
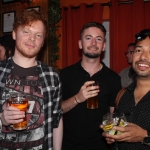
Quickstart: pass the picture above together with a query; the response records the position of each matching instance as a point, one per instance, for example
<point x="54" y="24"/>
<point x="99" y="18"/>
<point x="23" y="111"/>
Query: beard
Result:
<point x="92" y="54"/>
<point x="141" y="73"/>
<point x="26" y="53"/>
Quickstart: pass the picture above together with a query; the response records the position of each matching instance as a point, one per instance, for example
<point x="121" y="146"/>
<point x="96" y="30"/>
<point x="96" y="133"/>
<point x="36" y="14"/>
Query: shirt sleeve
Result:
<point x="57" y="97"/>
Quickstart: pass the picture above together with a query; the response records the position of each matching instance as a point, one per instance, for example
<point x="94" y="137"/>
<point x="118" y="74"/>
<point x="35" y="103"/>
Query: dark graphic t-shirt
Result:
<point x="27" y="81"/>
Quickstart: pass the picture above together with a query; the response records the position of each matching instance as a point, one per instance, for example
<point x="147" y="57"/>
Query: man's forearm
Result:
<point x="68" y="104"/>
<point x="57" y="136"/>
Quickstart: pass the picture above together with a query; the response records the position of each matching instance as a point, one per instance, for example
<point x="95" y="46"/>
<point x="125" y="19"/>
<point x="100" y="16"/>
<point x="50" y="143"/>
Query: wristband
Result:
<point x="76" y="100"/>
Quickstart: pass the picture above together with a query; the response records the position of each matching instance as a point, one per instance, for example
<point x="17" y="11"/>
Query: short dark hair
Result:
<point x="93" y="24"/>
<point x="142" y="35"/>
<point x="145" y="31"/>
<point x="27" y="17"/>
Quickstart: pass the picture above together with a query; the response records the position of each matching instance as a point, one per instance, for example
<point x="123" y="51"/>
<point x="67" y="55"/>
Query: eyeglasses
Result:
<point x="129" y="52"/>
<point x="141" y="36"/>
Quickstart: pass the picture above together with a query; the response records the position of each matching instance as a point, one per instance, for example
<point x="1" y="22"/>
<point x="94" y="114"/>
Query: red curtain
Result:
<point x="73" y="18"/>
<point x="125" y="21"/>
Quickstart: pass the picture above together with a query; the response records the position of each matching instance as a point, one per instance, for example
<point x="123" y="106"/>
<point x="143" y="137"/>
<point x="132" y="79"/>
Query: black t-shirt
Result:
<point x="81" y="125"/>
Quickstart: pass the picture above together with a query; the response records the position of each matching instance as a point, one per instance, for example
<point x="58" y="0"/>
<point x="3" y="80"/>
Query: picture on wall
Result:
<point x="7" y="21"/>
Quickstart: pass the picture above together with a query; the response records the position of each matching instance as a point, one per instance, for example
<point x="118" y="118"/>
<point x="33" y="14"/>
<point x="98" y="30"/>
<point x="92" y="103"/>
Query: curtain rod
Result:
<point x="110" y="4"/>
<point x="121" y="2"/>
<point x="102" y="4"/>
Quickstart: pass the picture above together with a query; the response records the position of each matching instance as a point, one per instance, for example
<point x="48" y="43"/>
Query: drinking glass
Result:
<point x="20" y="101"/>
<point x="92" y="103"/>
<point x="113" y="119"/>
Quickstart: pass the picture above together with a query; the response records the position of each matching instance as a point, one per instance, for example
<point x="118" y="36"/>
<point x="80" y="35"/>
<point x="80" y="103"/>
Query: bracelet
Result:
<point x="76" y="100"/>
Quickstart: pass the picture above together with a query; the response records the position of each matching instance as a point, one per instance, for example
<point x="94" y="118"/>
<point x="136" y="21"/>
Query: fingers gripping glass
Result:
<point x="92" y="102"/>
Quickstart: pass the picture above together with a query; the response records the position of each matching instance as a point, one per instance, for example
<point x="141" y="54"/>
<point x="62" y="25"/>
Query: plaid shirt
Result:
<point x="51" y="88"/>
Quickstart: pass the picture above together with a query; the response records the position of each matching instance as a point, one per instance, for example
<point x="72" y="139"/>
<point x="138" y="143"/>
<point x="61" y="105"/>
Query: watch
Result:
<point x="146" y="140"/>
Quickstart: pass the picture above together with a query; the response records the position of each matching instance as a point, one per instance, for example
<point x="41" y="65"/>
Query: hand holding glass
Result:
<point x="113" y="119"/>
<point x="19" y="100"/>
<point x="92" y="103"/>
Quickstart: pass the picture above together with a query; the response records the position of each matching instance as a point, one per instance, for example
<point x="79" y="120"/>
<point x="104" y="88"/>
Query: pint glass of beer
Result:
<point x="92" y="103"/>
<point x="20" y="101"/>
